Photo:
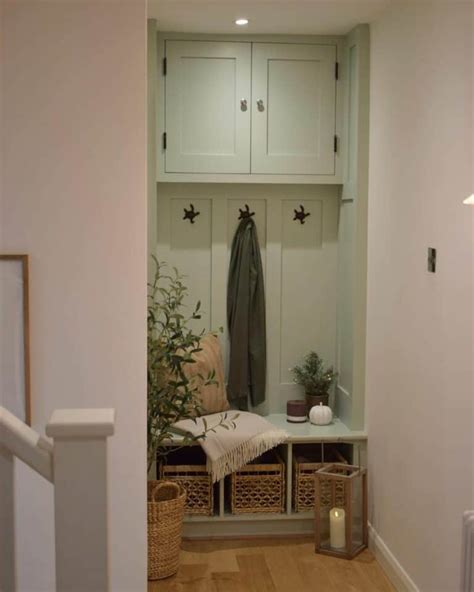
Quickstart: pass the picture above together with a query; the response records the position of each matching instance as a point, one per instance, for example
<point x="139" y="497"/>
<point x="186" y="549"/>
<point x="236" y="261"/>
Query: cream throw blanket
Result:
<point x="230" y="449"/>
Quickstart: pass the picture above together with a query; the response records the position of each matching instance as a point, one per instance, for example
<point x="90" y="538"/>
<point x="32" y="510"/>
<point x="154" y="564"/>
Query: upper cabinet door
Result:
<point x="207" y="107"/>
<point x="293" y="109"/>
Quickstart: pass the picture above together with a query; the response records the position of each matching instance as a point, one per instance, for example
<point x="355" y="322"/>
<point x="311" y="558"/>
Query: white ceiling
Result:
<point x="317" y="17"/>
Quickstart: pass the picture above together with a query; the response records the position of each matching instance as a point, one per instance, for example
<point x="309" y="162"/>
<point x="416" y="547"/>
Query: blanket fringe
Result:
<point x="235" y="459"/>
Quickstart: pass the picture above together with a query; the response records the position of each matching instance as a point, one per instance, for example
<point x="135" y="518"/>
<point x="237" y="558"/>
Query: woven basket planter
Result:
<point x="306" y="461"/>
<point x="188" y="468"/>
<point x="259" y="487"/>
<point x="165" y="524"/>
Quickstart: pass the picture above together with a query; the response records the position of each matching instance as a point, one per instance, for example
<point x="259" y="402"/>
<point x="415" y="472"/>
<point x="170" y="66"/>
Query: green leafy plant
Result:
<point x="312" y="374"/>
<point x="171" y="343"/>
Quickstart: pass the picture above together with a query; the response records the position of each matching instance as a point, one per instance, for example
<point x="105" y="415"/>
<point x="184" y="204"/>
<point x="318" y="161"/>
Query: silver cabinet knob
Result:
<point x="260" y="105"/>
<point x="243" y="104"/>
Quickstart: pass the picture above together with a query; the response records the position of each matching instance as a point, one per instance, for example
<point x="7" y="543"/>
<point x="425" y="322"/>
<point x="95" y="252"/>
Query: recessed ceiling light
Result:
<point x="469" y="200"/>
<point x="242" y="21"/>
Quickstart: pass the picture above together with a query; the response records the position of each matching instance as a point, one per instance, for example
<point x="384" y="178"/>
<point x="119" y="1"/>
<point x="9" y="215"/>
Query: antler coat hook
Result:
<point x="190" y="214"/>
<point x="301" y="214"/>
<point x="244" y="214"/>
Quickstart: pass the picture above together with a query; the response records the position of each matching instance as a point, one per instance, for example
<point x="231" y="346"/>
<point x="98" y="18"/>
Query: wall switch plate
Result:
<point x="431" y="260"/>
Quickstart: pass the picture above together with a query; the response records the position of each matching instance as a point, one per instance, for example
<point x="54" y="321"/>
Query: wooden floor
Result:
<point x="270" y="566"/>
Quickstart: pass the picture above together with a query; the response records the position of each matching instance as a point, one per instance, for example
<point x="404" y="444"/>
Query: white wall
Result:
<point x="74" y="198"/>
<point x="419" y="375"/>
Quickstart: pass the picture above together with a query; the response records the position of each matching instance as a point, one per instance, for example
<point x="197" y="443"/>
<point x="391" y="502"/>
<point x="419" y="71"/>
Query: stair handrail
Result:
<point x="75" y="461"/>
<point x="26" y="444"/>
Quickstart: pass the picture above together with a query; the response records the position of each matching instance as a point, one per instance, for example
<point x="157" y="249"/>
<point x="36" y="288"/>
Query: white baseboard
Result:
<point x="394" y="571"/>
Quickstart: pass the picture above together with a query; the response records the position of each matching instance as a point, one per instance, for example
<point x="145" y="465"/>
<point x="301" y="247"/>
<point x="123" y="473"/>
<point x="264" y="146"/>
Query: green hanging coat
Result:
<point x="246" y="319"/>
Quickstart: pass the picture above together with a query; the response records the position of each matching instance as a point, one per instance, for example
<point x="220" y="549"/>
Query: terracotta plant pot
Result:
<point x="312" y="400"/>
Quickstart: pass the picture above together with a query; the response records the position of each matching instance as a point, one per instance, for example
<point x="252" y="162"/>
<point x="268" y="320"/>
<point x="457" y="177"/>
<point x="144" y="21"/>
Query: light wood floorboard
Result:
<point x="270" y="565"/>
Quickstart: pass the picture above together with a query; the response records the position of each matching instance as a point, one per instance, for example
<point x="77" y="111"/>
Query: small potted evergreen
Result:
<point x="315" y="378"/>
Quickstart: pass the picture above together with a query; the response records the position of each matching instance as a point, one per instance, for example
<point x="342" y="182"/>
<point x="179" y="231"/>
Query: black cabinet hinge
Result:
<point x="336" y="144"/>
<point x="164" y="141"/>
<point x="336" y="70"/>
<point x="165" y="66"/>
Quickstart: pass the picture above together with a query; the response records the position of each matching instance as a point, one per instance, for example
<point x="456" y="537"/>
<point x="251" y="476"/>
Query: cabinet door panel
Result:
<point x="293" y="126"/>
<point x="207" y="131"/>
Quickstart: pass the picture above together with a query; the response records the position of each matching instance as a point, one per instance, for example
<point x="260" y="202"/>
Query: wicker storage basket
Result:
<point x="165" y="523"/>
<point x="259" y="486"/>
<point x="306" y="460"/>
<point x="188" y="468"/>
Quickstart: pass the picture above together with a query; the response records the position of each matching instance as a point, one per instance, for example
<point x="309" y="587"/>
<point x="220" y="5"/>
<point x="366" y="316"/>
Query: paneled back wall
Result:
<point x="299" y="262"/>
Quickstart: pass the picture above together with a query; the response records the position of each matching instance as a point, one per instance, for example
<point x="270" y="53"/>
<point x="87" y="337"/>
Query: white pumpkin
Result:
<point x="320" y="415"/>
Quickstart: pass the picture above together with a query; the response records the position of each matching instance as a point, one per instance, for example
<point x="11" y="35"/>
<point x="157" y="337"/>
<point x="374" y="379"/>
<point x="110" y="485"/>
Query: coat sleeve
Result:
<point x="257" y="326"/>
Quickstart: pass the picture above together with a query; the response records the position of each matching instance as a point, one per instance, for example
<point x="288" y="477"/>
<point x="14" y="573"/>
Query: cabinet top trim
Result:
<point x="300" y="39"/>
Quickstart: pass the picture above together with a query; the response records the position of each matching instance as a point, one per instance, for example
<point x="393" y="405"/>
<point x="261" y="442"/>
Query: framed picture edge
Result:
<point x="24" y="259"/>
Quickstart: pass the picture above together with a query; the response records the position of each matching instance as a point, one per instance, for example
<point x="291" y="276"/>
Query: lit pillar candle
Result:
<point x="337" y="528"/>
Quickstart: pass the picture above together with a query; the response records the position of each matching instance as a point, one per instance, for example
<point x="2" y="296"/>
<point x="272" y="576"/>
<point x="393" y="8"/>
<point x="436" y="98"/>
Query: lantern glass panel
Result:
<point x="357" y="514"/>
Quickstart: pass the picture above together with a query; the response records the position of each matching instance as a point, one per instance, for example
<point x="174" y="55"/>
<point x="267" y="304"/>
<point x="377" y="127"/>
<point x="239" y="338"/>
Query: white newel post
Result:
<point x="80" y="498"/>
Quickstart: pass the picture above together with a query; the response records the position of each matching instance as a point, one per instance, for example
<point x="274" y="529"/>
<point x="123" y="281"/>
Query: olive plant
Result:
<point x="172" y="396"/>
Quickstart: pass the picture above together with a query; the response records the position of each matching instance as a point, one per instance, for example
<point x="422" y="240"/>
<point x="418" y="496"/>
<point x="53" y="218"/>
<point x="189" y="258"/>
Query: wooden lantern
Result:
<point x="341" y="524"/>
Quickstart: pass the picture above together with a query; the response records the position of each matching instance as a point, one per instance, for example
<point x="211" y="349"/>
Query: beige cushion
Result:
<point x="214" y="396"/>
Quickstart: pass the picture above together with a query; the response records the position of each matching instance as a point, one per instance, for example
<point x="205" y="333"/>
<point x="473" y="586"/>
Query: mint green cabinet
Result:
<point x="293" y="108"/>
<point x="207" y="107"/>
<point x="249" y="108"/>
